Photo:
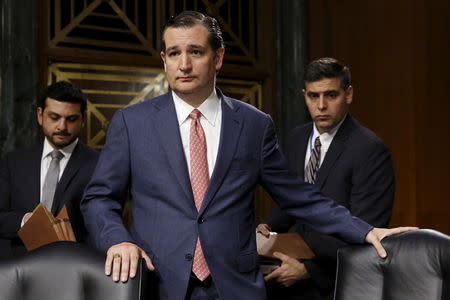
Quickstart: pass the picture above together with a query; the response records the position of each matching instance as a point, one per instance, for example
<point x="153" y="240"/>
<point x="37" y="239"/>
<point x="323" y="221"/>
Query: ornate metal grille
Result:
<point x="134" y="27"/>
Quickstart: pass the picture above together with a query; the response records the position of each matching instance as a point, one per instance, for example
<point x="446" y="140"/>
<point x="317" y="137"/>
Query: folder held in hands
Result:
<point x="43" y="228"/>
<point x="291" y="244"/>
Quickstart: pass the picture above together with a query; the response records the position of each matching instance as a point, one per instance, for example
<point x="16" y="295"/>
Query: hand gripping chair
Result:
<point x="417" y="268"/>
<point x="68" y="271"/>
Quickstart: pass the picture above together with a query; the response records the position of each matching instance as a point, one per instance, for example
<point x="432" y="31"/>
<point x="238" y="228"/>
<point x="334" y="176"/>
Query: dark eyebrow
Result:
<point x="324" y="92"/>
<point x="73" y="116"/>
<point x="191" y="46"/>
<point x="331" y="92"/>
<point x="171" y="48"/>
<point x="53" y="113"/>
<point x="196" y="46"/>
<point x="59" y="116"/>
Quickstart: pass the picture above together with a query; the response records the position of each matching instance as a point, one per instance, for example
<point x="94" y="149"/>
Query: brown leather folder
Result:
<point x="63" y="216"/>
<point x="290" y="244"/>
<point x="43" y="228"/>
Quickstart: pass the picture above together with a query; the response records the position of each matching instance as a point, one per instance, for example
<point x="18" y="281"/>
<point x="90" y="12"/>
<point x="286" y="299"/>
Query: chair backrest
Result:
<point x="417" y="267"/>
<point x="69" y="271"/>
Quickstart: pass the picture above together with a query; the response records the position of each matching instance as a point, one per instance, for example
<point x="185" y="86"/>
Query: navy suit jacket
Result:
<point x="20" y="191"/>
<point x="357" y="173"/>
<point x="143" y="155"/>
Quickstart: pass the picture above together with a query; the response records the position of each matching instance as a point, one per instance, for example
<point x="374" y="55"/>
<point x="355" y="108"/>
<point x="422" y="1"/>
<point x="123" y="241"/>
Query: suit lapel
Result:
<point x="337" y="146"/>
<point x="35" y="182"/>
<point x="71" y="169"/>
<point x="303" y="147"/>
<point x="232" y="123"/>
<point x="166" y="124"/>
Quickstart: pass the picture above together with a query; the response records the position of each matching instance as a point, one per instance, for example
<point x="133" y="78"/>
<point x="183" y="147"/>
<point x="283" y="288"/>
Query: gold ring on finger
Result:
<point x="117" y="255"/>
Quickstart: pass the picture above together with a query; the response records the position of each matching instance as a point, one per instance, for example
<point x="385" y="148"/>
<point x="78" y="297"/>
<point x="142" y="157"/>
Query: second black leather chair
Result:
<point x="417" y="268"/>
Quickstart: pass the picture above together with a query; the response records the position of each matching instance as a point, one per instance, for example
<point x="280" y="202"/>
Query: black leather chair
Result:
<point x="68" y="271"/>
<point x="417" y="268"/>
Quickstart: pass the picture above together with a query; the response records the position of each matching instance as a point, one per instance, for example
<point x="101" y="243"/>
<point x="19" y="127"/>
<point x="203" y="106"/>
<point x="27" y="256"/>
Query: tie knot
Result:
<point x="195" y="114"/>
<point x="56" y="154"/>
<point x="317" y="142"/>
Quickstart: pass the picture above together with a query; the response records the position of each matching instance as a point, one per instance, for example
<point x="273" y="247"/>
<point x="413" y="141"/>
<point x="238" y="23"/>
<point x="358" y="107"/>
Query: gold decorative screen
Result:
<point x="122" y="28"/>
<point x="117" y="26"/>
<point x="108" y="88"/>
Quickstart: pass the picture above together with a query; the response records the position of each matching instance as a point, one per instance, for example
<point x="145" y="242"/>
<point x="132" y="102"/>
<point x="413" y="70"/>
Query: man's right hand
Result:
<point x="290" y="271"/>
<point x="264" y="229"/>
<point x="26" y="217"/>
<point x="122" y="261"/>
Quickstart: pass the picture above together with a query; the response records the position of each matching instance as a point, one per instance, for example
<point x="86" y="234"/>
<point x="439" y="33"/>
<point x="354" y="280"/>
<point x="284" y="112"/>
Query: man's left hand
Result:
<point x="290" y="271"/>
<point x="375" y="236"/>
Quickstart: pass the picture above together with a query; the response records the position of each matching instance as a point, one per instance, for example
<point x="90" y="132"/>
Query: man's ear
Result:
<point x="39" y="113"/>
<point x="163" y="57"/>
<point x="349" y="95"/>
<point x="83" y="119"/>
<point x="219" y="58"/>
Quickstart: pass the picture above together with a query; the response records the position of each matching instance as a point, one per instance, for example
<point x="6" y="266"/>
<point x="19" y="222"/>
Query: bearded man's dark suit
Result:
<point x="20" y="191"/>
<point x="357" y="173"/>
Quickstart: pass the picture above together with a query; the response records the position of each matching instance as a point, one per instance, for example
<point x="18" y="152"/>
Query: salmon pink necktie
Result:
<point x="199" y="183"/>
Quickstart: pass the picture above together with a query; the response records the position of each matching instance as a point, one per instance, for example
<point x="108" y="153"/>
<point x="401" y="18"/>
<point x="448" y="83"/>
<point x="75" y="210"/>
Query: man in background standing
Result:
<point x="53" y="173"/>
<point x="343" y="159"/>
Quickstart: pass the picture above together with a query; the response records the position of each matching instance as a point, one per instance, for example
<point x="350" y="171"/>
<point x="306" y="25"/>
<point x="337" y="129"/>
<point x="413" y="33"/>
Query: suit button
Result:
<point x="201" y="220"/>
<point x="188" y="257"/>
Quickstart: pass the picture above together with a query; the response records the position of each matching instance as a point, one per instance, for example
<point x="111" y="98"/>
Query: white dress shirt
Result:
<point x="325" y="140"/>
<point x="46" y="159"/>
<point x="211" y="121"/>
<point x="45" y="163"/>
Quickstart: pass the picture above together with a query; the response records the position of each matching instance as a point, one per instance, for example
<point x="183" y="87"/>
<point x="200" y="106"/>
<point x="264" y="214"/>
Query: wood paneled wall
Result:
<point x="398" y="53"/>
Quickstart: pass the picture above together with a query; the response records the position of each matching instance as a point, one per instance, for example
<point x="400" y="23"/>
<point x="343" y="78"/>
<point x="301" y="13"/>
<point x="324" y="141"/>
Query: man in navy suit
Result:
<point x="191" y="160"/>
<point x="61" y="114"/>
<point x="355" y="170"/>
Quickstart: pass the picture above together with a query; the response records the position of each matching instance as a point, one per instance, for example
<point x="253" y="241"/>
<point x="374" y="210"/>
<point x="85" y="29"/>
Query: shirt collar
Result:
<point x="328" y="136"/>
<point x="209" y="108"/>
<point x="66" y="151"/>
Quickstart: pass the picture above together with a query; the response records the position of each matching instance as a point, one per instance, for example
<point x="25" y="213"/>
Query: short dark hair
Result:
<point x="189" y="18"/>
<point x="328" y="67"/>
<point x="63" y="91"/>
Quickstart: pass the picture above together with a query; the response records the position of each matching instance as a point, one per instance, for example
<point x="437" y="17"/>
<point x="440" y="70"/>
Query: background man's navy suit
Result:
<point x="20" y="191"/>
<point x="143" y="153"/>
<point x="357" y="173"/>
